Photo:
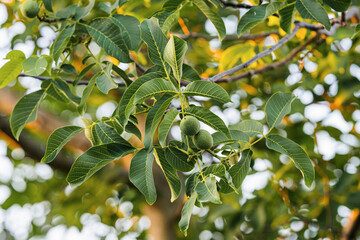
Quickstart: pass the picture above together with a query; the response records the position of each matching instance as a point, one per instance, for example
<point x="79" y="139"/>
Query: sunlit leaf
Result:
<point x="10" y="70"/>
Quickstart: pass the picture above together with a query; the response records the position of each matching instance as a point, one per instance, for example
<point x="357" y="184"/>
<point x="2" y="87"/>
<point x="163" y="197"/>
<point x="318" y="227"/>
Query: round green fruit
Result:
<point x="189" y="126"/>
<point x="203" y="140"/>
<point x="30" y="9"/>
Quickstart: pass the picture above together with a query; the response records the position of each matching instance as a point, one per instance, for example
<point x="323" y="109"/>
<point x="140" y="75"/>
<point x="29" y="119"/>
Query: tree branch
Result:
<point x="121" y="84"/>
<point x="275" y="65"/>
<point x="230" y="37"/>
<point x="257" y="57"/>
<point x="235" y="5"/>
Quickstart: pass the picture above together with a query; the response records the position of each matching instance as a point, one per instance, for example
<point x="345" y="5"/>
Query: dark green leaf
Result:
<point x="153" y="119"/>
<point x="130" y="30"/>
<point x="106" y="34"/>
<point x="213" y="17"/>
<point x="310" y="9"/>
<point x="209" y="118"/>
<point x="154" y="87"/>
<point x="57" y="141"/>
<point x="287" y="17"/>
<point x="240" y="170"/>
<point x="94" y="159"/>
<point x="126" y="105"/>
<point x="155" y="40"/>
<point x="277" y="107"/>
<point x="207" y="89"/>
<point x="25" y="111"/>
<point x="174" y="54"/>
<point x="178" y="159"/>
<point x="296" y="153"/>
<point x="166" y="124"/>
<point x="61" y="42"/>
<point x="207" y="191"/>
<point x="141" y="174"/>
<point x="186" y="213"/>
<point x="170" y="173"/>
<point x="338" y="5"/>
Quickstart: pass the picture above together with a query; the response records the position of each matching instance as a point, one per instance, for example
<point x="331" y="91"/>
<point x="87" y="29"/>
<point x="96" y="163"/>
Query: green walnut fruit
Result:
<point x="189" y="126"/>
<point x="30" y="9"/>
<point x="203" y="140"/>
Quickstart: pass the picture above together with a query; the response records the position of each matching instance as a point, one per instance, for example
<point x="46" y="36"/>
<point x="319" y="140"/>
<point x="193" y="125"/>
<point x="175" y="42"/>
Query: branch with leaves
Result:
<point x="156" y="91"/>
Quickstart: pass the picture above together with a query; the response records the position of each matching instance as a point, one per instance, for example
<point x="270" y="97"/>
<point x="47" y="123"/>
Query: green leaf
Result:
<point x="130" y="30"/>
<point x="10" y="70"/>
<point x="86" y="93"/>
<point x="122" y="74"/>
<point x="207" y="191"/>
<point x="65" y="89"/>
<point x="68" y="68"/>
<point x="277" y="107"/>
<point x="48" y="5"/>
<point x="190" y="183"/>
<point x="236" y="135"/>
<point x="170" y="173"/>
<point x="174" y="54"/>
<point x="108" y="134"/>
<point x="94" y="159"/>
<point x="25" y="111"/>
<point x="190" y="74"/>
<point x="131" y="128"/>
<point x="153" y="119"/>
<point x="250" y="127"/>
<point x="172" y="5"/>
<point x="29" y="65"/>
<point x="207" y="89"/>
<point x="178" y="159"/>
<point x="61" y="42"/>
<point x="296" y="153"/>
<point x="106" y="34"/>
<point x="141" y="174"/>
<point x="256" y="15"/>
<point x="105" y="82"/>
<point x="287" y="17"/>
<point x="126" y="105"/>
<point x="90" y="131"/>
<point x="338" y="5"/>
<point x="66" y="12"/>
<point x="154" y="87"/>
<point x="57" y="141"/>
<point x="167" y="20"/>
<point x="83" y="11"/>
<point x="166" y="124"/>
<point x="240" y="170"/>
<point x="356" y="31"/>
<point x="310" y="9"/>
<point x="186" y="213"/>
<point x="209" y="118"/>
<point x="213" y="17"/>
<point x="54" y="92"/>
<point x="155" y="40"/>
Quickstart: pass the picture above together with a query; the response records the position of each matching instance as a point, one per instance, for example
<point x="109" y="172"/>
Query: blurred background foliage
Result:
<point x="36" y="203"/>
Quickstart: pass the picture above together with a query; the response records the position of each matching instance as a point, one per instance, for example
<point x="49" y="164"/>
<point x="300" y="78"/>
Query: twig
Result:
<point x="275" y="65"/>
<point x="235" y="5"/>
<point x="257" y="57"/>
<point x="121" y="84"/>
<point x="230" y="37"/>
<point x="48" y="20"/>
